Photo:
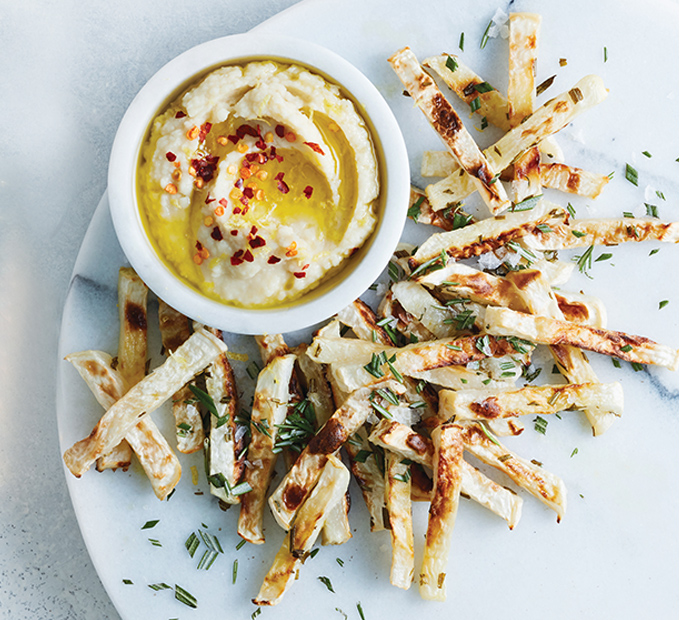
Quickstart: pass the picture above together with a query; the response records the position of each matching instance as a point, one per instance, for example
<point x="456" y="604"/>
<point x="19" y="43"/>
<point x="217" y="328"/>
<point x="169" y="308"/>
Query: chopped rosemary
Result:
<point x="159" y="586"/>
<point x="527" y="204"/>
<point x="155" y="542"/>
<point x="234" y="571"/>
<point x="414" y="210"/>
<point x="253" y="370"/>
<point x="488" y="434"/>
<point x="545" y="84"/>
<point x="604" y="256"/>
<point x="185" y="597"/>
<point x="540" y="424"/>
<point x="240" y="544"/>
<point x="205" y="399"/>
<point x="374" y="366"/>
<point x="362" y="455"/>
<point x="585" y="261"/>
<point x="361" y="611"/>
<point x="298" y="427"/>
<point x="340" y="561"/>
<point x="327" y="582"/>
<point x="149" y="524"/>
<point x="574" y="452"/>
<point x="578" y="233"/>
<point x="192" y="544"/>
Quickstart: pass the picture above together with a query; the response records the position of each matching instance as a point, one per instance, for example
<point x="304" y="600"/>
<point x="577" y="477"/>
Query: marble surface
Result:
<point x="69" y="71"/>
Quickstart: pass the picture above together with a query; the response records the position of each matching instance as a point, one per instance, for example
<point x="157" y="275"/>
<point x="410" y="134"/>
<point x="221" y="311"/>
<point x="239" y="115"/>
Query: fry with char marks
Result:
<point x="303" y="475"/>
<point x="544" y="399"/>
<point x="398" y="504"/>
<point x="544" y="330"/>
<point x="399" y="438"/>
<point x="298" y="542"/>
<point x="543" y="485"/>
<point x="270" y="407"/>
<point x="483" y="236"/>
<point x="450" y="128"/>
<point x="582" y="233"/>
<point x="447" y="479"/>
<point x="157" y="459"/>
<point x="175" y="329"/>
<point x="146" y="396"/>
<point x="132" y="350"/>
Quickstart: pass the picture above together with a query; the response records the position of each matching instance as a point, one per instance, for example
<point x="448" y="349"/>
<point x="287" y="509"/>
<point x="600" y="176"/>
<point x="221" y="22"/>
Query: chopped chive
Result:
<point x="636" y="366"/>
<point x="475" y="104"/>
<point x="253" y="370"/>
<point x="628" y="214"/>
<point x="451" y="64"/>
<point x="626" y="348"/>
<point x="361" y="611"/>
<point x="234" y="571"/>
<point x="574" y="452"/>
<point x="313" y="552"/>
<point x="483" y="87"/>
<point x="461" y="42"/>
<point x="485" y="36"/>
<point x="256" y="613"/>
<point x="616" y="362"/>
<point x="340" y="561"/>
<point x="646" y="153"/>
<point x="240" y="544"/>
<point x="414" y="210"/>
<point x="128" y="582"/>
<point x="544" y="228"/>
<point x="484" y="124"/>
<point x="578" y="233"/>
<point x="604" y="256"/>
<point x="362" y="455"/>
<point x="155" y="542"/>
<point x="571" y="209"/>
<point x="605" y="54"/>
<point x="631" y="174"/>
<point x="659" y="194"/>
<point x="663" y="303"/>
<point x="654" y="251"/>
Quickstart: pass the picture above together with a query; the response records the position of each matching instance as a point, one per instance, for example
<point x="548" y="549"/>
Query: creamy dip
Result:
<point x="258" y="182"/>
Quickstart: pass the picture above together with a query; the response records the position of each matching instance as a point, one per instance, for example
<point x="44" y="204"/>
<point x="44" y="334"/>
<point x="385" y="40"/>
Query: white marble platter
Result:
<point x="615" y="554"/>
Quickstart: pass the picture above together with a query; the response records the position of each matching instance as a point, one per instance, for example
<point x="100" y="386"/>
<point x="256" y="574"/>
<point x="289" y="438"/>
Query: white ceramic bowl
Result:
<point x="312" y="307"/>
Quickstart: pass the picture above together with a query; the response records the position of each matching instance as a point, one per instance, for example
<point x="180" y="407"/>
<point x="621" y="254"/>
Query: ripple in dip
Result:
<point x="258" y="183"/>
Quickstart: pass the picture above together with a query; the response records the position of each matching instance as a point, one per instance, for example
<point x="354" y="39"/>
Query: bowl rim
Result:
<point x="127" y="219"/>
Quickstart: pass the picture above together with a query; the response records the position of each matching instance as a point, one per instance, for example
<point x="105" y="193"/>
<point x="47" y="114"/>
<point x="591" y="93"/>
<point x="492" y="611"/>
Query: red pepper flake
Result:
<point x="180" y="114"/>
<point x="251" y="157"/>
<point x="260" y="144"/>
<point x="216" y="234"/>
<point x="234" y="232"/>
<point x="282" y="186"/>
<point x="248" y="192"/>
<point x="273" y="260"/>
<point x="280" y="131"/>
<point x="244" y="199"/>
<point x="248" y="256"/>
<point x="247" y="130"/>
<point x="308" y="191"/>
<point x="273" y="155"/>
<point x="204" y="131"/>
<point x="237" y="210"/>
<point x="253" y="230"/>
<point x="224" y="203"/>
<point x="239" y="183"/>
<point x="234" y="139"/>
<point x="199" y="246"/>
<point x="245" y="209"/>
<point x="205" y="167"/>
<point x="315" y="147"/>
<point x="257" y="242"/>
<point x="299" y="274"/>
<point x="279" y="176"/>
<point x="170" y="156"/>
<point x="209" y="199"/>
<point x="236" y="261"/>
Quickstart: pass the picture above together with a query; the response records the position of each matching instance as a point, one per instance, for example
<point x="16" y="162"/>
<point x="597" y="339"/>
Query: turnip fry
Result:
<point x="155" y="455"/>
<point x="449" y="126"/>
<point x="270" y="407"/>
<point x="298" y="542"/>
<point x="147" y="395"/>
<point x="531" y="400"/>
<point x="447" y="464"/>
<point x="175" y="329"/>
<point x="398" y="504"/>
<point x="544" y="330"/>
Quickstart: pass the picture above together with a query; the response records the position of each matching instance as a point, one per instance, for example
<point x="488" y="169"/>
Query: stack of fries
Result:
<point x="431" y="376"/>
